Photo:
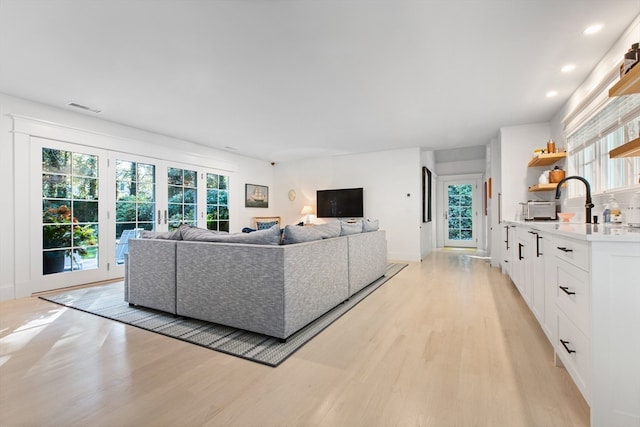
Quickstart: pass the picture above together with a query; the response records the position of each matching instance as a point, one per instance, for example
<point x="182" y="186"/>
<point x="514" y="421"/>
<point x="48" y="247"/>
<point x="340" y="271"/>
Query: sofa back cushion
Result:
<point x="164" y="235"/>
<point x="296" y="234"/>
<point x="270" y="236"/>
<point x="328" y="230"/>
<point x="348" y="228"/>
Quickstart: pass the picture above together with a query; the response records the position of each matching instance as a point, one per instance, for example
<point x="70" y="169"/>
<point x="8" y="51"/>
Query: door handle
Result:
<point x="159" y="217"/>
<point x="566" y="290"/>
<point x="566" y="347"/>
<point x="165" y="216"/>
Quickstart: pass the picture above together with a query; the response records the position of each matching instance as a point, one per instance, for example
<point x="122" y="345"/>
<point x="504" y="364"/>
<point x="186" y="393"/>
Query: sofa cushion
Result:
<point x="296" y="234"/>
<point x="165" y="235"/>
<point x="347" y="228"/>
<point x="270" y="236"/>
<point x="328" y="230"/>
<point x="369" y="225"/>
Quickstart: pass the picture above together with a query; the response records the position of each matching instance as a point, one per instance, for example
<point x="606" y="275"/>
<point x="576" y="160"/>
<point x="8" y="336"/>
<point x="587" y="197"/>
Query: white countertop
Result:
<point x="589" y="232"/>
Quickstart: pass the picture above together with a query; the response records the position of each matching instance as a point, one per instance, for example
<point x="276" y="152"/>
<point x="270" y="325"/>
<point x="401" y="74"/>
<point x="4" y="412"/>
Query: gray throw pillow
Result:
<point x="195" y="233"/>
<point x="164" y="235"/>
<point x="328" y="230"/>
<point x="370" y="226"/>
<point x="348" y="228"/>
<point x="296" y="234"/>
<point x="270" y="236"/>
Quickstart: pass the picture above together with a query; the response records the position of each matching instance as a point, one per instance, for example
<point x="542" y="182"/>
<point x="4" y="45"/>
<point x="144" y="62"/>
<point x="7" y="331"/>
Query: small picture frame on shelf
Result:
<point x="256" y="196"/>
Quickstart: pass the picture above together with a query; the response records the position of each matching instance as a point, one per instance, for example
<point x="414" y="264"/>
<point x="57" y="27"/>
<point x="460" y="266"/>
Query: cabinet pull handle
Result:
<point x="566" y="290"/>
<point x="566" y="347"/>
<point x="538" y="253"/>
<point x="563" y="249"/>
<point x="520" y="257"/>
<point x="506" y="227"/>
<point x="532" y="232"/>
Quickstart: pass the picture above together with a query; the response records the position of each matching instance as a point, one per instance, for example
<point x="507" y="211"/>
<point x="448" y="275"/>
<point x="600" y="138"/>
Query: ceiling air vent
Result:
<point x="83" y="107"/>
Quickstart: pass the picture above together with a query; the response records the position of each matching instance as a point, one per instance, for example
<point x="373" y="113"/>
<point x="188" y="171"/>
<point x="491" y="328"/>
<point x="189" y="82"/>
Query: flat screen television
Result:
<point x="343" y="203"/>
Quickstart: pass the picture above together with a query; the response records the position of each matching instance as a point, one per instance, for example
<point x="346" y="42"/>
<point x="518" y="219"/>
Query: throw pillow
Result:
<point x="165" y="235"/>
<point x="270" y="236"/>
<point x="266" y="225"/>
<point x="294" y="234"/>
<point x="369" y="225"/>
<point x="328" y="230"/>
<point x="347" y="228"/>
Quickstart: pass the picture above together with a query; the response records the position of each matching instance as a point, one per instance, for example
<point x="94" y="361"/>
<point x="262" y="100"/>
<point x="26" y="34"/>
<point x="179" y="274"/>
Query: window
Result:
<point x="589" y="146"/>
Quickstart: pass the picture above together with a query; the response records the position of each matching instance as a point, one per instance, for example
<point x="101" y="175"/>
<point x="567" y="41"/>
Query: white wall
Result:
<point x="581" y="106"/>
<point x="14" y="277"/>
<point x="460" y="167"/>
<point x="392" y="192"/>
<point x="495" y="202"/>
<point x="517" y="144"/>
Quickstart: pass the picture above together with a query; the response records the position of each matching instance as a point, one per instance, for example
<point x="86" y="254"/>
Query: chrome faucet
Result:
<point x="587" y="204"/>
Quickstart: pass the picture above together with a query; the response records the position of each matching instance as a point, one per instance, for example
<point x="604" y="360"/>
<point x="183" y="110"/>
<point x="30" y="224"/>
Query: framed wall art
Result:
<point x="256" y="196"/>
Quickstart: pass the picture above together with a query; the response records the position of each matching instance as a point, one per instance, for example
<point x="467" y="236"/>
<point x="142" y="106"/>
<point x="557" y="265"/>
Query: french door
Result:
<point x="69" y="243"/>
<point x="88" y="202"/>
<point x="461" y="212"/>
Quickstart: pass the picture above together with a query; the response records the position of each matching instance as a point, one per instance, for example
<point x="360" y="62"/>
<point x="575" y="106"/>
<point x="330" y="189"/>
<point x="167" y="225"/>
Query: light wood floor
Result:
<point x="447" y="342"/>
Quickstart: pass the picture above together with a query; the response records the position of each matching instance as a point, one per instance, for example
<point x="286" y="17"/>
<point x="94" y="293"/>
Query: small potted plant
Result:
<point x="58" y="229"/>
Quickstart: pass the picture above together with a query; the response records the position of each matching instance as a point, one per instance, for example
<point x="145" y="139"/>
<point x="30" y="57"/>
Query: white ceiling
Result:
<point x="286" y="79"/>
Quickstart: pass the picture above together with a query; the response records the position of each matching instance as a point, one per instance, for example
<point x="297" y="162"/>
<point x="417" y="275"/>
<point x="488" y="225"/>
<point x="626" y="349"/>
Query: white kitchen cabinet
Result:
<point x="573" y="304"/>
<point x="615" y="334"/>
<point x="585" y="292"/>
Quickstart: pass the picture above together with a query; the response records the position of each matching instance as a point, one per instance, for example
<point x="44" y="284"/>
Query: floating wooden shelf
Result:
<point x="544" y="187"/>
<point x="547" y="159"/>
<point x="628" y="84"/>
<point x="630" y="149"/>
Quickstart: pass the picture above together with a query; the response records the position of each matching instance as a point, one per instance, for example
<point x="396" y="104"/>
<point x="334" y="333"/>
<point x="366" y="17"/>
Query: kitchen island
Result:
<point x="582" y="283"/>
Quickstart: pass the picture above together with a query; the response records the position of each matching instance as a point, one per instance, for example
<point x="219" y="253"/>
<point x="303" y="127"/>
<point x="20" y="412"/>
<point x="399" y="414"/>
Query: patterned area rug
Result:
<point x="107" y="301"/>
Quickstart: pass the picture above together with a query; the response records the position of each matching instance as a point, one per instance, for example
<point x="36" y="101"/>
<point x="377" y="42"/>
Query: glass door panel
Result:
<point x="217" y="202"/>
<point x="69" y="211"/>
<point x="182" y="192"/>
<point x="459" y="224"/>
<point x="135" y="202"/>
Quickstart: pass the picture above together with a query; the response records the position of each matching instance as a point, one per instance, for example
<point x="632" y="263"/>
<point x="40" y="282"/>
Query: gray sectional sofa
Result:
<point x="272" y="289"/>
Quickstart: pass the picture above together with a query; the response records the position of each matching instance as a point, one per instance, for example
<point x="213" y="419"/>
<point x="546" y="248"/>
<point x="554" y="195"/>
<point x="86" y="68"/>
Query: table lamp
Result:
<point x="307" y="210"/>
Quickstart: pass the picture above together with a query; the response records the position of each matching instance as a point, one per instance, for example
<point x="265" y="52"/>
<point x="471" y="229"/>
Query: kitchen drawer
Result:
<point x="573" y="294"/>
<point x="572" y="251"/>
<point x="573" y="348"/>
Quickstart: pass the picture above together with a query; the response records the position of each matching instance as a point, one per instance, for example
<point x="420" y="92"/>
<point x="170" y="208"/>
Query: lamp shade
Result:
<point x="306" y="210"/>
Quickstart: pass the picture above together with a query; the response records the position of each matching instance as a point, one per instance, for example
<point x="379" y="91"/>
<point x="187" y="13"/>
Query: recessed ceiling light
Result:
<point x="592" y="29"/>
<point x="552" y="93"/>
<point x="568" y="68"/>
